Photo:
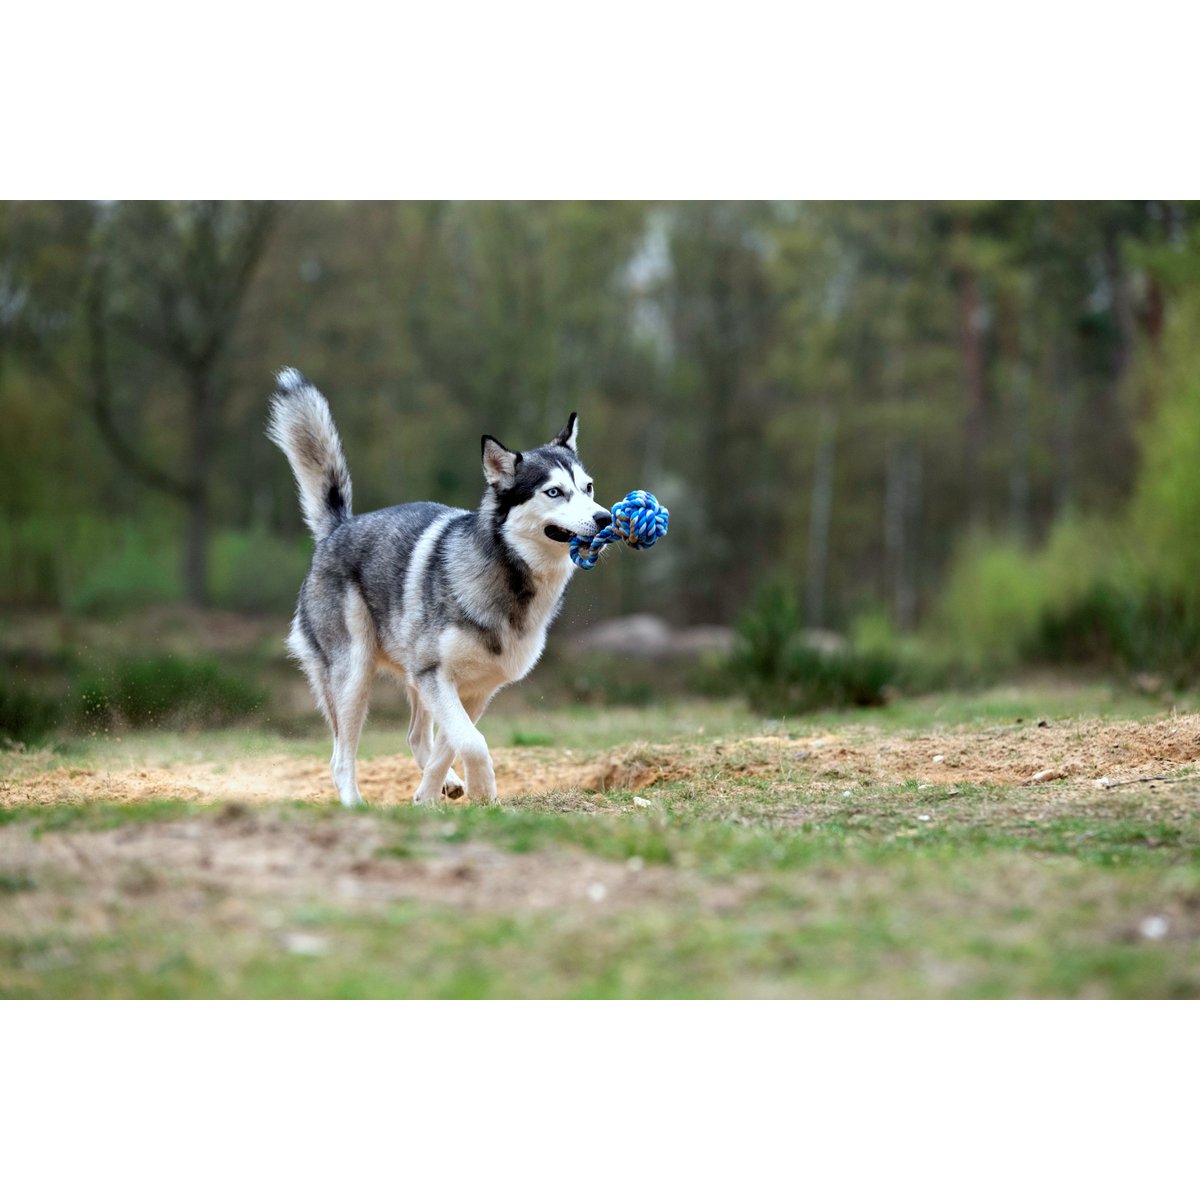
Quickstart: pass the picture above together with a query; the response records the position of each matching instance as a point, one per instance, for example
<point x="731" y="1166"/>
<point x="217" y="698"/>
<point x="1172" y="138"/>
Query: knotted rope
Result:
<point x="638" y="521"/>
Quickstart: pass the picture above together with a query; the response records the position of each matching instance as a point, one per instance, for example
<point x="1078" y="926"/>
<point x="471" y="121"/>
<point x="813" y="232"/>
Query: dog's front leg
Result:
<point x="420" y="742"/>
<point x="456" y="734"/>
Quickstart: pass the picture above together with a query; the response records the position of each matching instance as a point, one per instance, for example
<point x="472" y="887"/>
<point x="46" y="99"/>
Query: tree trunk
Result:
<point x="820" y="518"/>
<point x="1015" y="338"/>
<point x="195" y="555"/>
<point x="971" y="339"/>
<point x="1062" y="389"/>
<point x="1020" y="451"/>
<point x="900" y="519"/>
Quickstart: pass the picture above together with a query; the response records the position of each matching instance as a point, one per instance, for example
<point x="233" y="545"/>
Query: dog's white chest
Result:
<point x="472" y="663"/>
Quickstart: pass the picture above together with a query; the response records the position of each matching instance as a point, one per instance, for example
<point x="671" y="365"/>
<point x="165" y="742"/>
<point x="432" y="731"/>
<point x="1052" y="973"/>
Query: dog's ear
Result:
<point x="499" y="462"/>
<point x="568" y="433"/>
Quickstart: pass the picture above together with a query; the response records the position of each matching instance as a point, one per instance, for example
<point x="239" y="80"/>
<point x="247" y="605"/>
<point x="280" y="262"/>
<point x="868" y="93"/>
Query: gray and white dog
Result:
<point x="456" y="603"/>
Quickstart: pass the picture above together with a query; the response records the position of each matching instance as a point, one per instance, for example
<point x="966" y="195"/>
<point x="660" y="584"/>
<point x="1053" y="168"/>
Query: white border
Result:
<point x="578" y="1100"/>
<point x="615" y="100"/>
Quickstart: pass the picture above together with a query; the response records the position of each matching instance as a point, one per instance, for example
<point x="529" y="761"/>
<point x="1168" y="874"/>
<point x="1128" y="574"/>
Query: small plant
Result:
<point x="157" y="691"/>
<point x="523" y="737"/>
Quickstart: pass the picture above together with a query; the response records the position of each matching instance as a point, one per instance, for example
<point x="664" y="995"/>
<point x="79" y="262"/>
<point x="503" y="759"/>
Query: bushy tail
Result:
<point x="301" y="426"/>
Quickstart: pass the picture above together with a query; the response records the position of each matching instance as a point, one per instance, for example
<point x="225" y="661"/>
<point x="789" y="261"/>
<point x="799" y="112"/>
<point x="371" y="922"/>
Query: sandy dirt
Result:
<point x="1089" y="753"/>
<point x="240" y="852"/>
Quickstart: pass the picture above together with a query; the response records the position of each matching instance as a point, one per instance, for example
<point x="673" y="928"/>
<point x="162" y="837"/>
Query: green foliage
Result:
<point x="164" y="691"/>
<point x="607" y="680"/>
<point x="1125" y="627"/>
<point x="25" y="716"/>
<point x="992" y="602"/>
<point x="138" y="573"/>
<point x="1121" y="593"/>
<point x="254" y="571"/>
<point x="1081" y="597"/>
<point x="87" y="564"/>
<point x="781" y="669"/>
<point x="526" y="737"/>
<point x="1165" y="512"/>
<point x="105" y="566"/>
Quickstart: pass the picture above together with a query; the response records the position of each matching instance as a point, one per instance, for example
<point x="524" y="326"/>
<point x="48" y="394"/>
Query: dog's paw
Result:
<point x="453" y="788"/>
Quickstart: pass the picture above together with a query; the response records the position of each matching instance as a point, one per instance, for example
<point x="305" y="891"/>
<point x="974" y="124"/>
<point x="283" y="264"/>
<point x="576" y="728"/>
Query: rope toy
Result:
<point x="638" y="521"/>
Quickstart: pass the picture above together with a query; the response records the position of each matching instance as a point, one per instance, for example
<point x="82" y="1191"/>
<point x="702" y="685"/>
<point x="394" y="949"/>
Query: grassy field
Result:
<point x="1033" y="841"/>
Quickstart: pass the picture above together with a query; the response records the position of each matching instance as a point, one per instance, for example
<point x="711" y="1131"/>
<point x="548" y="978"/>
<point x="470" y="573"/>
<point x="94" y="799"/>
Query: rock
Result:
<point x="644" y="635"/>
<point x="823" y="641"/>
<point x="1154" y="928"/>
<point x="696" y="641"/>
<point x="1048" y="774"/>
<point x="310" y="945"/>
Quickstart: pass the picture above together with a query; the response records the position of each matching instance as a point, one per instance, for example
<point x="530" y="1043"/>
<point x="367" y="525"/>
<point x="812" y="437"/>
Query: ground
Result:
<point x="1031" y="841"/>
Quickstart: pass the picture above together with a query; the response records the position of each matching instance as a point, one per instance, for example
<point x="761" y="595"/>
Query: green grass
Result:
<point x="831" y="913"/>
<point x="725" y="883"/>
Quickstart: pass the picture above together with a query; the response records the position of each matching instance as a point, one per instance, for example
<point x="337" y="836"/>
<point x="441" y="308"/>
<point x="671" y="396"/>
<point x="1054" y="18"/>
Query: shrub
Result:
<point x="158" y="691"/>
<point x="992" y="602"/>
<point x="779" y="671"/>
<point x="1125" y="627"/>
<point x="25" y="716"/>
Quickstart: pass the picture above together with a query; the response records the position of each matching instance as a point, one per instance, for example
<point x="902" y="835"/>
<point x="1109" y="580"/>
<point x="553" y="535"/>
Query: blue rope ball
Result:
<point x="638" y="521"/>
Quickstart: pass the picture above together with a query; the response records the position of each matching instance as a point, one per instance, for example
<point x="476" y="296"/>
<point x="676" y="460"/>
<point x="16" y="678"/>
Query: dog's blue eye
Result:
<point x="553" y="493"/>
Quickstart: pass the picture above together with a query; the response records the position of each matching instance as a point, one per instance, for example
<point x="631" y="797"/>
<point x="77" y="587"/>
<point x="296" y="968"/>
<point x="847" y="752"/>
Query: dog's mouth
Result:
<point x="556" y="533"/>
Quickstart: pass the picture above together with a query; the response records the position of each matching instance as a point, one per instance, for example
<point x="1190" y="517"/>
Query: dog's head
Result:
<point x="542" y="498"/>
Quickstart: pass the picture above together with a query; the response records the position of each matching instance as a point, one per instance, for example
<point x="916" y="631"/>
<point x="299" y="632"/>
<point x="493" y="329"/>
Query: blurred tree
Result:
<point x="839" y="393"/>
<point x="170" y="278"/>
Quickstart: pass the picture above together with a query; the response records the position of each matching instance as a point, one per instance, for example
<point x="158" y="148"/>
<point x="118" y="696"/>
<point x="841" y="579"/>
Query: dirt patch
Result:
<point x="1067" y="753"/>
<point x="1083" y="751"/>
<point x="241" y="852"/>
<point x="388" y="780"/>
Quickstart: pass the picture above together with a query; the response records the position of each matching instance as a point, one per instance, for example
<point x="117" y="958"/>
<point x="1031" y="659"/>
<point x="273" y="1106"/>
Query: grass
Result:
<point x="722" y="882"/>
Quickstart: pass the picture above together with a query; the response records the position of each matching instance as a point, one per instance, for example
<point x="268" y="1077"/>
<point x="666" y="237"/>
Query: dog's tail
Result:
<point x="301" y="426"/>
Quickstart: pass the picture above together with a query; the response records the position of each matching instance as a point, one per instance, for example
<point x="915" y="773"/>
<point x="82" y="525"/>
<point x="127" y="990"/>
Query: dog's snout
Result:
<point x="602" y="518"/>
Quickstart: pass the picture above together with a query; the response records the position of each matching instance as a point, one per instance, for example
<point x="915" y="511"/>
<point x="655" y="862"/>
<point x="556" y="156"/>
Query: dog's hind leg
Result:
<point x="316" y="668"/>
<point x="421" y="742"/>
<point x="350" y="678"/>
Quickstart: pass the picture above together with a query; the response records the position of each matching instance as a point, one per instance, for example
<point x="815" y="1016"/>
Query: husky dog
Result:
<point x="456" y="603"/>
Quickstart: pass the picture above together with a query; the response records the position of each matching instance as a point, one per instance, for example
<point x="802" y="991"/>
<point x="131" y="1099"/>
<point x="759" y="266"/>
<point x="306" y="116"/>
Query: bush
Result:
<point x="1123" y="627"/>
<point x="992" y="603"/>
<point x="164" y="691"/>
<point x="25" y="716"/>
<point x="779" y="671"/>
<point x="1004" y="604"/>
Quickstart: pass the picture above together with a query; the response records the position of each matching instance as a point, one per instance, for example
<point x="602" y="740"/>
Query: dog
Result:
<point x="457" y="604"/>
